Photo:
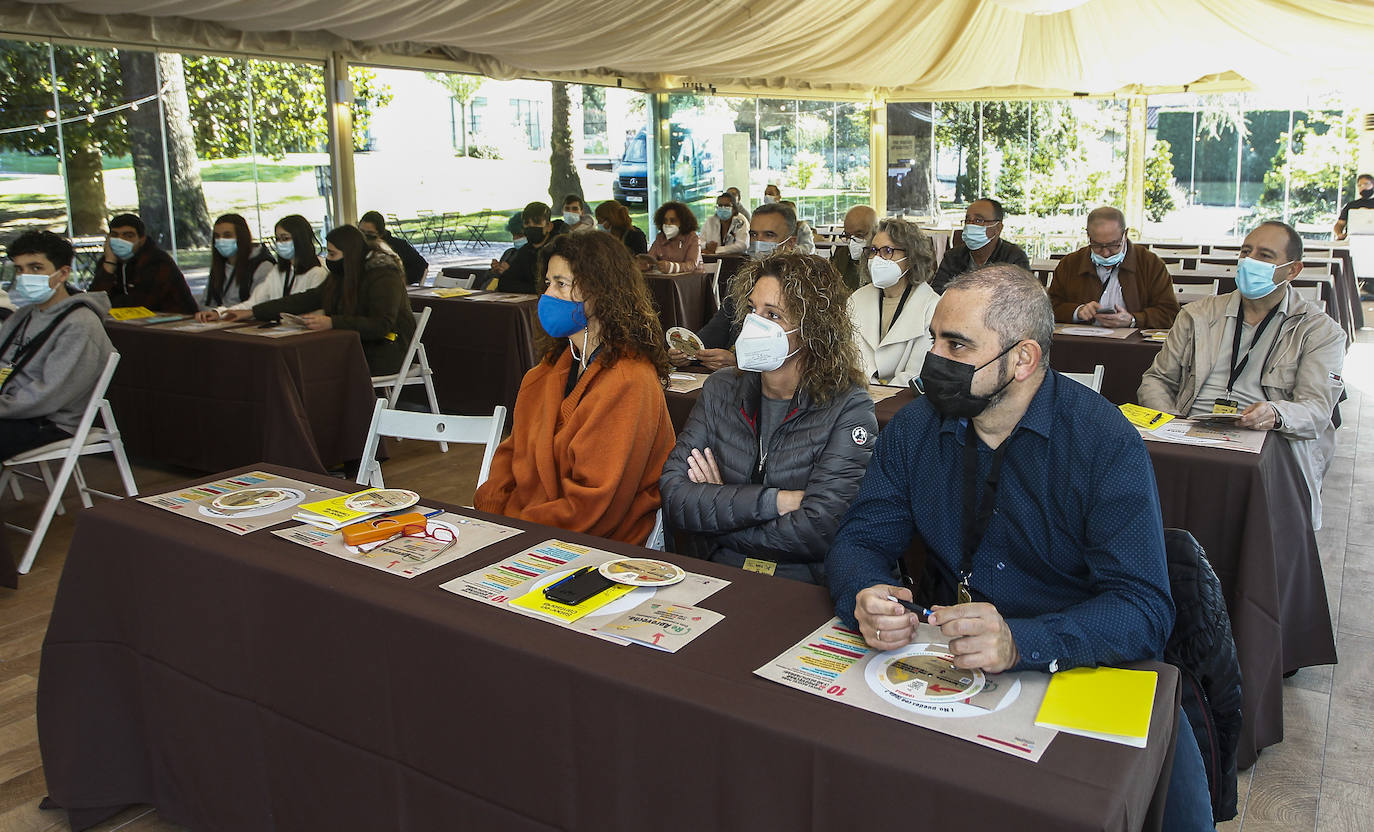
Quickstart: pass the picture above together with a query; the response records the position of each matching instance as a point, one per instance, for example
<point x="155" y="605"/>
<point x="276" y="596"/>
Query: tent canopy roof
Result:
<point x="852" y="49"/>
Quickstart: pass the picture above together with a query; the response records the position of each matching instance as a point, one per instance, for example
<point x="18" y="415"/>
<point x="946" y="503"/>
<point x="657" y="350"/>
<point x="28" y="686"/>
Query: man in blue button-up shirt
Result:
<point x="1070" y="567"/>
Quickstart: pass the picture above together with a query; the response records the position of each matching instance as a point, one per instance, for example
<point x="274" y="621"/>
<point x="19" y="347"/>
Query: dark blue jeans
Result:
<point x="1188" y="805"/>
<point x="19" y="435"/>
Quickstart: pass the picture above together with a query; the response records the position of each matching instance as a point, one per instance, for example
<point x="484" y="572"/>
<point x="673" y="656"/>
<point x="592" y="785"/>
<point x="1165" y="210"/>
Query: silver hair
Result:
<point x="920" y="251"/>
<point x="1018" y="306"/>
<point x="788" y="215"/>
<point x="1107" y="214"/>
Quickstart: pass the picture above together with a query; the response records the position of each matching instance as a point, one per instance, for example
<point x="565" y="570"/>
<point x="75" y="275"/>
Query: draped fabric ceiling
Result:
<point x="854" y="49"/>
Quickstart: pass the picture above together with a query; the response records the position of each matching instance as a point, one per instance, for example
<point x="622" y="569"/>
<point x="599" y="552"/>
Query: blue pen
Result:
<point x="910" y="607"/>
<point x="434" y="513"/>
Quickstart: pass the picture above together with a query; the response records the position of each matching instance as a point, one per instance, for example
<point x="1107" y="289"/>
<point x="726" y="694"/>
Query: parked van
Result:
<point x="695" y="172"/>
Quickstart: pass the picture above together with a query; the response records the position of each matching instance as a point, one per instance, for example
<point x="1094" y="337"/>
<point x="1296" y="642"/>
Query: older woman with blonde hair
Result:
<point x="775" y="448"/>
<point x="591" y="429"/>
<point x="892" y="313"/>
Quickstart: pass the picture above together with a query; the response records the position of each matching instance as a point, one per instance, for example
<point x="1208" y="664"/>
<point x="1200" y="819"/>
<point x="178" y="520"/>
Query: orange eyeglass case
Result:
<point x="380" y="528"/>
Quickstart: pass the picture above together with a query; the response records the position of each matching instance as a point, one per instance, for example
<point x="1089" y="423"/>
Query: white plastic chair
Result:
<point x="85" y="441"/>
<point x="712" y="271"/>
<point x="414" y="370"/>
<point x="656" y="541"/>
<point x="435" y="427"/>
<point x="1091" y="380"/>
<point x="444" y="282"/>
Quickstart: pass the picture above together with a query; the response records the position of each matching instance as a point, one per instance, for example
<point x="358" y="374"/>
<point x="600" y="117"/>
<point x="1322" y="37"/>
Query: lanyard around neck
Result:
<point x="901" y="302"/>
<point x="1238" y="368"/>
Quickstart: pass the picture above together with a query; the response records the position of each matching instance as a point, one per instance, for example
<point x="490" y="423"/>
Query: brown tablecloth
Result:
<point x="1252" y="515"/>
<point x="1347" y="287"/>
<point x="250" y="683"/>
<point x="1124" y="361"/>
<point x="479" y="351"/>
<point x="215" y="400"/>
<point x="682" y="299"/>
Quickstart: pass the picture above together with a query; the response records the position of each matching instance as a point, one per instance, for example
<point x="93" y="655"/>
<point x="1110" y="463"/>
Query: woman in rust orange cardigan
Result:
<point x="591" y="429"/>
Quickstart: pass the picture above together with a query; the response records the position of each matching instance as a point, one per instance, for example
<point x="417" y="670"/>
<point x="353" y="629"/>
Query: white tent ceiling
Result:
<point x="904" y="49"/>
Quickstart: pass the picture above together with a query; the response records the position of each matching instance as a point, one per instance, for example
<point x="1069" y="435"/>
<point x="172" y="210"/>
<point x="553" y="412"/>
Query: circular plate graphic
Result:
<point x="291" y="497"/>
<point x="248" y="499"/>
<point x="383" y="499"/>
<point x="922" y="678"/>
<point x="642" y="572"/>
<point x="684" y="339"/>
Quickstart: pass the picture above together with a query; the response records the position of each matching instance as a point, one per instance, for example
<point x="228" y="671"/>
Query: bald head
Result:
<point x="861" y="221"/>
<point x="1106" y="219"/>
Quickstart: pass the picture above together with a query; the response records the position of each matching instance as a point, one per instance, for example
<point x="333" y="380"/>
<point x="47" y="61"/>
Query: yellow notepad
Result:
<point x="131" y="313"/>
<point x="1105" y="703"/>
<point x="534" y="600"/>
<point x="1144" y="417"/>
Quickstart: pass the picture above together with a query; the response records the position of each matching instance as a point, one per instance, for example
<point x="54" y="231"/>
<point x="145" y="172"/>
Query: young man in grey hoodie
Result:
<point x="52" y="350"/>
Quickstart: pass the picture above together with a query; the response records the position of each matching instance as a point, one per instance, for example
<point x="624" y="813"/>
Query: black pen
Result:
<point x="1157" y="417"/>
<point x="910" y="607"/>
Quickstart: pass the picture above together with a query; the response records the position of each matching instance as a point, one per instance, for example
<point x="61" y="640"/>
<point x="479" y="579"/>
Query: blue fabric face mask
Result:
<point x="974" y="236"/>
<point x="561" y="318"/>
<point x="286" y="250"/>
<point x="518" y="242"/>
<point x="31" y="288"/>
<point x="226" y="248"/>
<point x="571" y="218"/>
<point x="1108" y="262"/>
<point x="1255" y="278"/>
<point x="121" y="248"/>
<point x="724" y="214"/>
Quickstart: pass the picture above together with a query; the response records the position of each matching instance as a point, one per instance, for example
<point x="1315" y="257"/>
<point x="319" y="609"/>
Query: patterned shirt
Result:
<point x="1073" y="557"/>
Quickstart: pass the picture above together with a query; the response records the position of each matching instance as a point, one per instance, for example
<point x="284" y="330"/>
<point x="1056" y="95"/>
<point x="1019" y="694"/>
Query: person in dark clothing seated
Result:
<point x="373" y="227"/>
<point x="365" y="292"/>
<point x="515" y="226"/>
<point x="135" y="272"/>
<point x="981" y="244"/>
<point x="774" y="450"/>
<point x="527" y="267"/>
<point x="614" y="219"/>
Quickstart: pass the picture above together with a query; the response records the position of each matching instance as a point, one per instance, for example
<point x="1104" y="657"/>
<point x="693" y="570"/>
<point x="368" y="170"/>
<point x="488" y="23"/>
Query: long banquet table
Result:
<point x="214" y="400"/>
<point x="253" y="683"/>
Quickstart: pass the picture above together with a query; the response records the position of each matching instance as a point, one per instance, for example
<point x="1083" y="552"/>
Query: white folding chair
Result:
<point x="712" y="271"/>
<point x="414" y="370"/>
<point x="85" y="441"/>
<point x="1312" y="293"/>
<point x="434" y="427"/>
<point x="443" y="282"/>
<point x="1091" y="380"/>
<point x="655" y="540"/>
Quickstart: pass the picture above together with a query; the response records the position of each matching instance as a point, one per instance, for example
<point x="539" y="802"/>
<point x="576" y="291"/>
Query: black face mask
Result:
<point x="534" y="234"/>
<point x="1367" y="193"/>
<point x="335" y="266"/>
<point x="949" y="386"/>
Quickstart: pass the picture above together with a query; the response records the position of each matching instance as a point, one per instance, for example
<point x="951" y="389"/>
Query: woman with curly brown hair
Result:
<point x="774" y="450"/>
<point x="677" y="247"/>
<point x="591" y="428"/>
<point x="614" y="219"/>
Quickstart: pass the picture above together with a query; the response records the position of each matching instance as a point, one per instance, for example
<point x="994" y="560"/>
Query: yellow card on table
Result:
<point x="451" y="292"/>
<point x="535" y="600"/>
<point x="1105" y="703"/>
<point x="130" y="313"/>
<point x="763" y="567"/>
<point x="1144" y="417"/>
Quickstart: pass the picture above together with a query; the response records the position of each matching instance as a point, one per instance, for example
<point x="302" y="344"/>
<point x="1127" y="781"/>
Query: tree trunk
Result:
<point x="563" y="178"/>
<point x="463" y="125"/>
<point x="140" y="76"/>
<point x="86" y="189"/>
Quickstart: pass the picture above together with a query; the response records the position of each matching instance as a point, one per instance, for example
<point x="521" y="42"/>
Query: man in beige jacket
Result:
<point x="1281" y="372"/>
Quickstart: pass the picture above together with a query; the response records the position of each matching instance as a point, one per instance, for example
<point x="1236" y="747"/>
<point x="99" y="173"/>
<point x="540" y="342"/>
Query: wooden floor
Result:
<point x="1317" y="778"/>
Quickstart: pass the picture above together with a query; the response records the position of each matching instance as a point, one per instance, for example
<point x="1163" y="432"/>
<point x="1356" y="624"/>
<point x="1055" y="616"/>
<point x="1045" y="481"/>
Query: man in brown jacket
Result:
<point x="1111" y="274"/>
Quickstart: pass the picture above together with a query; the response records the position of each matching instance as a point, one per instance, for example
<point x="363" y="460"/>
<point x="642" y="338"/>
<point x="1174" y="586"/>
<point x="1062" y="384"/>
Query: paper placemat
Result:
<point x="195" y="502"/>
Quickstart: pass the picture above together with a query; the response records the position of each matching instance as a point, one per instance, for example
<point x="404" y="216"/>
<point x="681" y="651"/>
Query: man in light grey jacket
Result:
<point x="52" y="350"/>
<point x="1281" y="371"/>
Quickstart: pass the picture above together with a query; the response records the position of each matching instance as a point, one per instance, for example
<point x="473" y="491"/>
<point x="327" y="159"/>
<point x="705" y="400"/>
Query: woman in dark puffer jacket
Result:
<point x="774" y="450"/>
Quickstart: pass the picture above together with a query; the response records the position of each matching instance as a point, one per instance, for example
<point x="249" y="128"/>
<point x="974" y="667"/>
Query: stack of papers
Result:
<point x="1104" y="703"/>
